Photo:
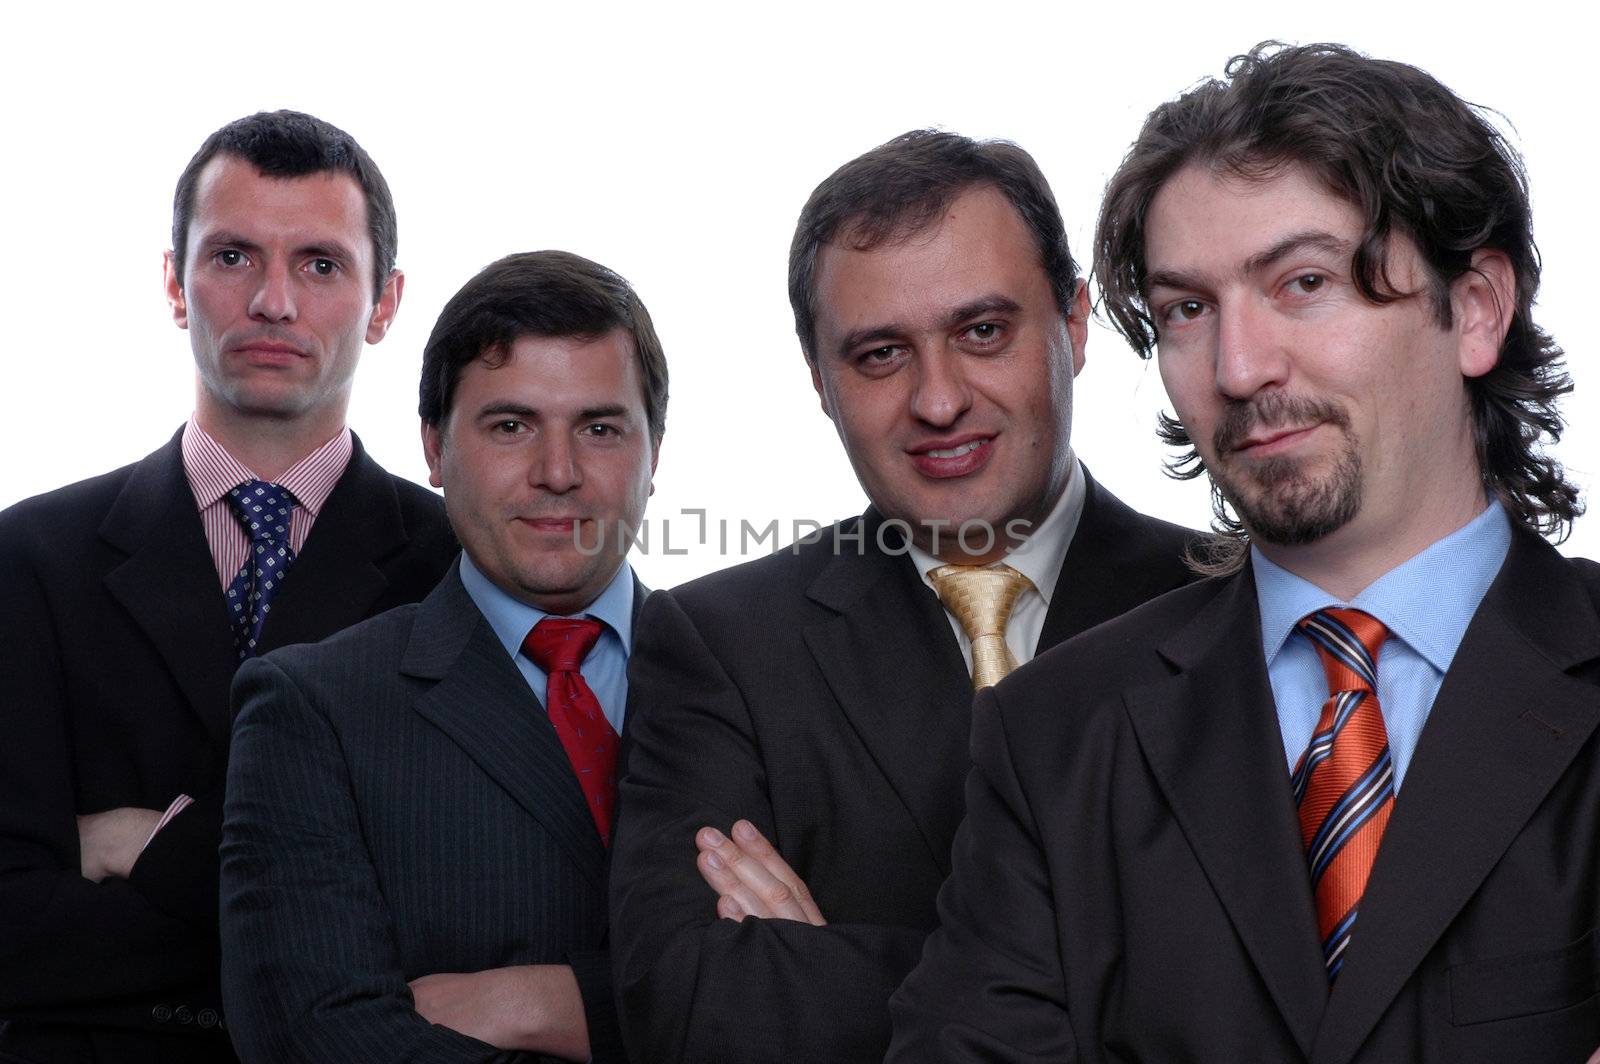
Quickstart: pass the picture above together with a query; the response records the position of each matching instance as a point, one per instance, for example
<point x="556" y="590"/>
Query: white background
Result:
<point x="676" y="144"/>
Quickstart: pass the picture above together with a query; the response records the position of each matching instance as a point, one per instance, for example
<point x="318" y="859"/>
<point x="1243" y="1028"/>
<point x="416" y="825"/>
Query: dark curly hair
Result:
<point x="1414" y="159"/>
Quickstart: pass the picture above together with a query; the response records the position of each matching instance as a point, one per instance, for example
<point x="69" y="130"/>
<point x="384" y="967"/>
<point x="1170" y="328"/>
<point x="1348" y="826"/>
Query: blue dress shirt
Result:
<point x="1426" y="603"/>
<point x="606" y="667"/>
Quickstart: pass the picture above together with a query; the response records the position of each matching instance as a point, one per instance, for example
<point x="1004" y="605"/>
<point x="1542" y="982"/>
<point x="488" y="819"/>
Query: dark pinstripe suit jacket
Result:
<point x="398" y="805"/>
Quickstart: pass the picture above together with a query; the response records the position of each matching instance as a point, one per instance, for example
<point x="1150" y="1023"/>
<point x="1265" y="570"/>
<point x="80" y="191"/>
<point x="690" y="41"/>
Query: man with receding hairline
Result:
<point x="127" y="601"/>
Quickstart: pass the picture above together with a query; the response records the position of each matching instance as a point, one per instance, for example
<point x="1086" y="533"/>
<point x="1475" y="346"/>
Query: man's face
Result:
<point x="1316" y="411"/>
<point x="947" y="369"/>
<point x="542" y="458"/>
<point x="277" y="295"/>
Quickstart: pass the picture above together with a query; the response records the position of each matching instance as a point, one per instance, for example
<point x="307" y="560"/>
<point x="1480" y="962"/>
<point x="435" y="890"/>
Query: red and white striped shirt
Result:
<point x="213" y="472"/>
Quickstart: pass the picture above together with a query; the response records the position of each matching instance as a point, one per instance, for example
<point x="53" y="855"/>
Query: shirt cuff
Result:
<point x="179" y="804"/>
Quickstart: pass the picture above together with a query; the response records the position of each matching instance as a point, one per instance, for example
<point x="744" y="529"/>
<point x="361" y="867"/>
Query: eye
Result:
<point x="1184" y="310"/>
<point x="1308" y="283"/>
<point x="507" y="427"/>
<point x="229" y="257"/>
<point x="985" y="331"/>
<point x="324" y="267"/>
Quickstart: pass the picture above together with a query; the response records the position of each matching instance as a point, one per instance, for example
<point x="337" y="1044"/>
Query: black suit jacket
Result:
<point x="399" y="806"/>
<point x="115" y="670"/>
<point x="1130" y="883"/>
<point x="824" y="697"/>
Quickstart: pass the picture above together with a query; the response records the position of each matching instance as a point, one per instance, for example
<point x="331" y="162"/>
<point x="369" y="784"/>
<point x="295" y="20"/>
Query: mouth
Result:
<point x="1266" y="442"/>
<point x="270" y="351"/>
<point x="563" y="525"/>
<point x="942" y="459"/>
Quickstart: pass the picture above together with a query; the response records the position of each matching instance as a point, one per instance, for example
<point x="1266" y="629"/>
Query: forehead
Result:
<point x="557" y="375"/>
<point x="979" y="246"/>
<point x="1207" y="223"/>
<point x="232" y="195"/>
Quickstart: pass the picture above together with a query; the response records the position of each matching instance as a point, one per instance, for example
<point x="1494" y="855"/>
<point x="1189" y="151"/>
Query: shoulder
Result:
<point x="773" y="588"/>
<point x="360" y="658"/>
<point x="79" y="503"/>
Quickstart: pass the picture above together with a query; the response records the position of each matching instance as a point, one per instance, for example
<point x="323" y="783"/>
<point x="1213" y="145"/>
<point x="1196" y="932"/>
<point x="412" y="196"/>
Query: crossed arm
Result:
<point x="312" y="970"/>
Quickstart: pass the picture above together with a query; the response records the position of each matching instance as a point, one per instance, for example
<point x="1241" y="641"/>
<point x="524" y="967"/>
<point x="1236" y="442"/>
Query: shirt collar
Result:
<point x="1041" y="555"/>
<point x="213" y="471"/>
<point x="513" y="619"/>
<point x="1427" y="600"/>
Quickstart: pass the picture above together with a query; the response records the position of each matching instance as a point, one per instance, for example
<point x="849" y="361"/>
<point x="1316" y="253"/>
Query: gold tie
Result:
<point x="981" y="599"/>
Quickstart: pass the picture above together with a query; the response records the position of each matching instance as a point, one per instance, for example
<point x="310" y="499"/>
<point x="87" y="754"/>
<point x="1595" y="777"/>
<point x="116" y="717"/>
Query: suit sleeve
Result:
<point x="70" y="950"/>
<point x="692" y="987"/>
<point x="310" y="967"/>
<point x="990" y="985"/>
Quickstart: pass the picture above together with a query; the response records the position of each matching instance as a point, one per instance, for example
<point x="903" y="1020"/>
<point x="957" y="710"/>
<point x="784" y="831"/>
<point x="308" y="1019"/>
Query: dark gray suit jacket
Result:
<point x="824" y="697"/>
<point x="1130" y="883"/>
<point x="115" y="659"/>
<point x="399" y="806"/>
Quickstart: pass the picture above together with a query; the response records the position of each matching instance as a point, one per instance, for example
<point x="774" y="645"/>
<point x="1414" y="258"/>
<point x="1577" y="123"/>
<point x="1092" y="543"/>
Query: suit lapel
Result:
<point x="1215" y="749"/>
<point x="909" y="698"/>
<point x="1106" y="571"/>
<point x="1504" y="728"/>
<point x="335" y="580"/>
<point x="485" y="707"/>
<point x="167" y="577"/>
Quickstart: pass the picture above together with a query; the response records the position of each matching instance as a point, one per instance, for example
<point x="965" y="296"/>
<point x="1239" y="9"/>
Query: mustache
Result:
<point x="1272" y="411"/>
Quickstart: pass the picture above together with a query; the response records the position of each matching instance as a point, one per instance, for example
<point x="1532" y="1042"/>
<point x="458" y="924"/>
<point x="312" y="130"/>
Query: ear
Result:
<point x="1482" y="301"/>
<point x="1078" y="325"/>
<point x="174" y="288"/>
<point x="816" y="382"/>
<point x="655" y="455"/>
<point x="388" y="304"/>
<point x="433" y="451"/>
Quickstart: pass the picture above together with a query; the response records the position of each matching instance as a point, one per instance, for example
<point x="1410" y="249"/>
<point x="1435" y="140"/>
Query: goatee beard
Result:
<point x="1279" y="499"/>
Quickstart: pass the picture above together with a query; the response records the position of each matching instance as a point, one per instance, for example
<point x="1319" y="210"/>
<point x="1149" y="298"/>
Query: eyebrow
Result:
<point x="522" y="410"/>
<point x="994" y="303"/>
<point x="1304" y="240"/>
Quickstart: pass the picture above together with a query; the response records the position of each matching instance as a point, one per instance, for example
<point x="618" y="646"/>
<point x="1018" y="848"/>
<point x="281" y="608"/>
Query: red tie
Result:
<point x="1344" y="783"/>
<point x="558" y="645"/>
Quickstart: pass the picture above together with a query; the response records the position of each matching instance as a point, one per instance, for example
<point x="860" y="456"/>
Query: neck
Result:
<point x="1346" y="562"/>
<point x="268" y="446"/>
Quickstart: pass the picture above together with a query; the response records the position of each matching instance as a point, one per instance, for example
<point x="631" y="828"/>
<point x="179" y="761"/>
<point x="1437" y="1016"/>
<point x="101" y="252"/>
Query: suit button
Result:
<point x="161" y="1014"/>
<point x="208" y="1017"/>
<point x="182" y="1014"/>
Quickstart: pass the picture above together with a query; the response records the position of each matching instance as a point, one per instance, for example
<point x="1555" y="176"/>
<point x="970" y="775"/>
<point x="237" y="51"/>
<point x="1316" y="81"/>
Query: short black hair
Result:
<point x="293" y="144"/>
<point x="900" y="187"/>
<point x="538" y="293"/>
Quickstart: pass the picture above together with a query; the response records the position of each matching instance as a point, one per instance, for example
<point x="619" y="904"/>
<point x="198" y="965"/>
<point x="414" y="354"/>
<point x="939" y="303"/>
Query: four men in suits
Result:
<point x="414" y="858"/>
<point x="1339" y="803"/>
<point x="128" y="600"/>
<point x="820" y="698"/>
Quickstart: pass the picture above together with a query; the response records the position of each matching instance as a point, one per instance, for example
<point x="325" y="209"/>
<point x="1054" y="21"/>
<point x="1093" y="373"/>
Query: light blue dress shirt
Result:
<point x="606" y="667"/>
<point x="1426" y="603"/>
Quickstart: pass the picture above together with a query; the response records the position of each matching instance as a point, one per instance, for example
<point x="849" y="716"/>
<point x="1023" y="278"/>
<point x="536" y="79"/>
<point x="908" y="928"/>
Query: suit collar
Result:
<point x="1505" y="727"/>
<point x="895" y="668"/>
<point x="482" y="703"/>
<point x="167" y="580"/>
<point x="1211" y="739"/>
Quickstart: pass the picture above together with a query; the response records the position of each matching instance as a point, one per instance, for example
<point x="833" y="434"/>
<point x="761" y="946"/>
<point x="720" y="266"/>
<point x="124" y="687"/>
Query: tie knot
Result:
<point x="263" y="509"/>
<point x="980" y="597"/>
<point x="1348" y="642"/>
<point x="559" y="644"/>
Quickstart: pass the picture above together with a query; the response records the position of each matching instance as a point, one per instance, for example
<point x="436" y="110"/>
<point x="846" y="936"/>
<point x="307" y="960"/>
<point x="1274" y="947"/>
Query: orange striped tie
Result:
<point x="1344" y="782"/>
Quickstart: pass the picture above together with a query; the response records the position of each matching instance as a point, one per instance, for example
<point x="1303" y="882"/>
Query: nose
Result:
<point x="555" y="465"/>
<point x="941" y="393"/>
<point x="1250" y="350"/>
<point x="274" y="296"/>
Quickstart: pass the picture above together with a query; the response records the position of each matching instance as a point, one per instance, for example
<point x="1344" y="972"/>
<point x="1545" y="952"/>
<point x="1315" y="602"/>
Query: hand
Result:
<point x="532" y="1007"/>
<point x="751" y="879"/>
<point x="110" y="842"/>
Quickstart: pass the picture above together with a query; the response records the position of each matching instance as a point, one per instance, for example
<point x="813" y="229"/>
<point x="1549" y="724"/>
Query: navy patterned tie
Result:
<point x="264" y="510"/>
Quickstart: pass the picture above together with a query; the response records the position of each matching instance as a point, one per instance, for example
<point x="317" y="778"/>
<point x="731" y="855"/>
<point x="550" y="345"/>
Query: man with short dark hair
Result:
<point x="820" y="699"/>
<point x="1341" y="803"/>
<point x="127" y="601"/>
<point x="414" y="858"/>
